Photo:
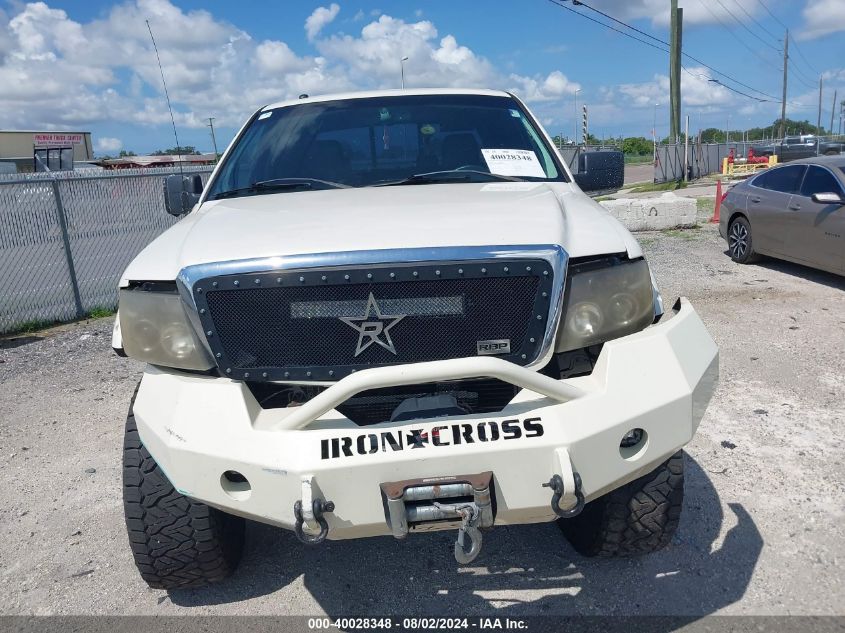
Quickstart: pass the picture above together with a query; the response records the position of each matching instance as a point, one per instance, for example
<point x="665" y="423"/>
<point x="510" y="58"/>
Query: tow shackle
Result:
<point x="556" y="484"/>
<point x="318" y="507"/>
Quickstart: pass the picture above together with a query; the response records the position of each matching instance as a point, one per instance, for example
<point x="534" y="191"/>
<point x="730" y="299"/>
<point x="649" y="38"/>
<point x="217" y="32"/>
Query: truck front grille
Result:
<point x="322" y="324"/>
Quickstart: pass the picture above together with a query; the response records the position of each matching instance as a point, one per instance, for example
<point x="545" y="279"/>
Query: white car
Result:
<point x="392" y="312"/>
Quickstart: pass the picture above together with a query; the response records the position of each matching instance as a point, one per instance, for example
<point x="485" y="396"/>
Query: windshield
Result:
<point x="386" y="140"/>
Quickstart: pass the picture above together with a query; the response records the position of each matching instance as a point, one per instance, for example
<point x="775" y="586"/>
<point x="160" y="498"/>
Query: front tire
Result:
<point x="639" y="518"/>
<point x="176" y="542"/>
<point x="740" y="243"/>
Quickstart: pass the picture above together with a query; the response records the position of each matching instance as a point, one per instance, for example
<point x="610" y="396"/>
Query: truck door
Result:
<point x="819" y="228"/>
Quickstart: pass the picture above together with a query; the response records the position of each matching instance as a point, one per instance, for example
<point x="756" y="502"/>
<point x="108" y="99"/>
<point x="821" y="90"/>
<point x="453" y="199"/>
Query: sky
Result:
<point x="90" y="65"/>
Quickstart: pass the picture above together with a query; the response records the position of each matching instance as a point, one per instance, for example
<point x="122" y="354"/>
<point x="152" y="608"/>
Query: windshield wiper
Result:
<point x="453" y="175"/>
<point x="280" y="184"/>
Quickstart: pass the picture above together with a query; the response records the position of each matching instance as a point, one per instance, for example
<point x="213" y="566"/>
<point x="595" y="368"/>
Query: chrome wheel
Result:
<point x="738" y="240"/>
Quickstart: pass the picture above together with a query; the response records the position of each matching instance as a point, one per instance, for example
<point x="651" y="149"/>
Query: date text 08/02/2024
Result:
<point x="417" y="623"/>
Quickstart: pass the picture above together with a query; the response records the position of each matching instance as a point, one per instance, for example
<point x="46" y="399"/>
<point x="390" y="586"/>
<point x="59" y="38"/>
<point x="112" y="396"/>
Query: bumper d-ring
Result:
<point x="556" y="484"/>
<point x="318" y="508"/>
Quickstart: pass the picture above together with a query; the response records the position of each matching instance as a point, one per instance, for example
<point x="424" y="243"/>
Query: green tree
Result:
<point x="637" y="146"/>
<point x="176" y="151"/>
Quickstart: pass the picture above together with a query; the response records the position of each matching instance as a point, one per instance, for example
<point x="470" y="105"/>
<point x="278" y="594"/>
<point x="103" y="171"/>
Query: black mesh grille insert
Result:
<point x="321" y="325"/>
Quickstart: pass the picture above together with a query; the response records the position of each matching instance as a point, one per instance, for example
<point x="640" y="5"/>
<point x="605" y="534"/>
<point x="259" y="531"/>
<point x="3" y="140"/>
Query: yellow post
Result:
<point x="725" y="166"/>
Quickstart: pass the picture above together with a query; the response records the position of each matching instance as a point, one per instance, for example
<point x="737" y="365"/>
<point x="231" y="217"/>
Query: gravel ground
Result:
<point x="762" y="530"/>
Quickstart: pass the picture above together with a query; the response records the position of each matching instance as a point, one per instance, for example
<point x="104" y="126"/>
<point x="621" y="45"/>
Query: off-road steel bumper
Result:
<point x="660" y="380"/>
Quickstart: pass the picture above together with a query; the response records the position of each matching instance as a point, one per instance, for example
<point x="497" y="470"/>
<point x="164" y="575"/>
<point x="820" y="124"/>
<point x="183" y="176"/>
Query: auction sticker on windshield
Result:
<point x="513" y="162"/>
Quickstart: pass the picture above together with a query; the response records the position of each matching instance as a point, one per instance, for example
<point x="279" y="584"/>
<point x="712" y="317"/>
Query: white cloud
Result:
<point x="320" y="17"/>
<point x="59" y="72"/>
<point x="696" y="91"/>
<point x="552" y="87"/>
<point x="822" y="17"/>
<point x="108" y="145"/>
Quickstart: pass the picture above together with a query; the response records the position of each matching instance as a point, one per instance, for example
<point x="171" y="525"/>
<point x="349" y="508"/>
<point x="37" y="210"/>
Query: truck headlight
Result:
<point x="604" y="304"/>
<point x="156" y="330"/>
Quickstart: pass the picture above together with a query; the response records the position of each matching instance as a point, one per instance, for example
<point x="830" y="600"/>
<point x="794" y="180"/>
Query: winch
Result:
<point x="468" y="499"/>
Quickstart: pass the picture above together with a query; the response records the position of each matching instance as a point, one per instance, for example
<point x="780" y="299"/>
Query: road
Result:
<point x="763" y="528"/>
<point x="639" y="173"/>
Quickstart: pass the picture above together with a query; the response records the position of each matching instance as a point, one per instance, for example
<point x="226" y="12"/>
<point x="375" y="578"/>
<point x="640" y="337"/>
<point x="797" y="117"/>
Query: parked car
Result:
<point x="391" y="312"/>
<point x="796" y="147"/>
<point x="794" y="212"/>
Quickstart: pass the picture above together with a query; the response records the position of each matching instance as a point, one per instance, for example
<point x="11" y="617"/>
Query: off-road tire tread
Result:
<point x="176" y="542"/>
<point x="639" y="518"/>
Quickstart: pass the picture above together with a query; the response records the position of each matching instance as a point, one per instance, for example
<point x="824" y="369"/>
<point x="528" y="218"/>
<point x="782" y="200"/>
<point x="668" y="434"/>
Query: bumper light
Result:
<point x="156" y="330"/>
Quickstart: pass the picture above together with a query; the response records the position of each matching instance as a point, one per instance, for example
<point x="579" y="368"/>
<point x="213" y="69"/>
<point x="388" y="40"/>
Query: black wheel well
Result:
<point x="734" y="216"/>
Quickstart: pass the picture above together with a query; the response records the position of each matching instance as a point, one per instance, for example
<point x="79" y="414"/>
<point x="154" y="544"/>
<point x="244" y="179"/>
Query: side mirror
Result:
<point x="600" y="171"/>
<point x="828" y="198"/>
<point x="181" y="193"/>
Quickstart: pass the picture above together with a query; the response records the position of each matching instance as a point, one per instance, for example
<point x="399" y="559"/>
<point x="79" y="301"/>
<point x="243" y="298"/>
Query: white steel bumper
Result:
<point x="659" y="380"/>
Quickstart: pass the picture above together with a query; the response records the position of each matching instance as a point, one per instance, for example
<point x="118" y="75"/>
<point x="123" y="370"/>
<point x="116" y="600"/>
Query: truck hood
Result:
<point x="372" y="218"/>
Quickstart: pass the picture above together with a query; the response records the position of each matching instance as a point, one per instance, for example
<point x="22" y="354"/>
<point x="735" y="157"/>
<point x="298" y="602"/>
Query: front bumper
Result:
<point x="660" y="380"/>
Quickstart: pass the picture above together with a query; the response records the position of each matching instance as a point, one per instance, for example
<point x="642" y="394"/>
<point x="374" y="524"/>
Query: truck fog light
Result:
<point x="586" y="319"/>
<point x="631" y="438"/>
<point x="177" y="341"/>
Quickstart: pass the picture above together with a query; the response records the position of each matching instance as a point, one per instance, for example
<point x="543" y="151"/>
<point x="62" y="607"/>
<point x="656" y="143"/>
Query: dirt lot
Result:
<point x="762" y="530"/>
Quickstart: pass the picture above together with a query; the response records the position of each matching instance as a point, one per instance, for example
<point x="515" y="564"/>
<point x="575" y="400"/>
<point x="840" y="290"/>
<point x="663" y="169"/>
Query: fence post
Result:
<point x="60" y="211"/>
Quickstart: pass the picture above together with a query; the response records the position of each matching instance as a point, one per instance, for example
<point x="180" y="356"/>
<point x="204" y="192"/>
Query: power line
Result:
<point x="716" y="81"/>
<point x="735" y="36"/>
<point x="806" y="61"/>
<point x="756" y="21"/>
<point x="801" y="76"/>
<point x="794" y="45"/>
<point x="666" y="44"/>
<point x="745" y="26"/>
<point x="563" y="6"/>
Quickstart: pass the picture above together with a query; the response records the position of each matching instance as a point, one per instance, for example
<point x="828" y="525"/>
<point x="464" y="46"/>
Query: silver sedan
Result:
<point x="794" y="212"/>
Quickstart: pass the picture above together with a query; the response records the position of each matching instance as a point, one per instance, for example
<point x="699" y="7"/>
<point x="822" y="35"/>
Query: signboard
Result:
<point x="58" y="140"/>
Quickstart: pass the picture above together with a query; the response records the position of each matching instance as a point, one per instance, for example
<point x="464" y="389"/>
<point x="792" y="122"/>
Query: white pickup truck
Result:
<point x="397" y="311"/>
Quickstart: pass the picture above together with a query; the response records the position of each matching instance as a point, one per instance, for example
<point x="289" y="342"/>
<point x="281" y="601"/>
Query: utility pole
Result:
<point x="833" y="109"/>
<point x="676" y="23"/>
<point x="785" y="71"/>
<point x="819" y="120"/>
<point x="213" y="139"/>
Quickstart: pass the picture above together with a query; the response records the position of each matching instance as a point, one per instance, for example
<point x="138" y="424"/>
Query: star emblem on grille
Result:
<point x="373" y="327"/>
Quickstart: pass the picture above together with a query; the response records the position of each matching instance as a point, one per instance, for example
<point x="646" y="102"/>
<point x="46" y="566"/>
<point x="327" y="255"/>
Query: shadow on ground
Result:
<point x="18" y="341"/>
<point x="522" y="570"/>
<point x="798" y="270"/>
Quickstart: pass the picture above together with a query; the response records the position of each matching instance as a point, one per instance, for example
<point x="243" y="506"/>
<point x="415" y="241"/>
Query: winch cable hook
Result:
<point x="469" y="514"/>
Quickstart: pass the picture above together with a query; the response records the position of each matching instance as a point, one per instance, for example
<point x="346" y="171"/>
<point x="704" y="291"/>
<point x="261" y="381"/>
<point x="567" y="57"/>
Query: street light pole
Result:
<point x="402" y="65"/>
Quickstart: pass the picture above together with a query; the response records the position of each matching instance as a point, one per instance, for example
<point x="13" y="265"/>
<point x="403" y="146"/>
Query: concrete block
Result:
<point x="666" y="211"/>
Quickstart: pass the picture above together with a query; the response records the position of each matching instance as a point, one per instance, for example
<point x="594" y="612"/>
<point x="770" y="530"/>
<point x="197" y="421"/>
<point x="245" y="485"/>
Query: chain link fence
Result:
<point x="65" y="239"/>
